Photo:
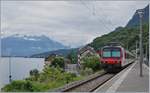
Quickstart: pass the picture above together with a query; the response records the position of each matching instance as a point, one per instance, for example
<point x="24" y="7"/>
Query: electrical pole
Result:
<point x="10" y="70"/>
<point x="136" y="49"/>
<point x="140" y="12"/>
<point x="9" y="51"/>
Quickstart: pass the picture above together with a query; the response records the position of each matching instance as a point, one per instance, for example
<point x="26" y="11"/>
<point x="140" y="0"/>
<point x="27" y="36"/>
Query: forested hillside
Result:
<point x="126" y="35"/>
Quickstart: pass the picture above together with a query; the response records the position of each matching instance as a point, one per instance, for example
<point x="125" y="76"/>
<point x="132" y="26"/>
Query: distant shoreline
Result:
<point x="20" y="57"/>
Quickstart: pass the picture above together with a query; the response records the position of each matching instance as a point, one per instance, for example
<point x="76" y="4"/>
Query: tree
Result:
<point x="72" y="56"/>
<point x="34" y="73"/>
<point x="58" y="62"/>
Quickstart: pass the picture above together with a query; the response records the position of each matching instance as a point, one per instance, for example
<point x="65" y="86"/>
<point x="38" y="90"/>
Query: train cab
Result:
<point x="114" y="56"/>
<point x="111" y="56"/>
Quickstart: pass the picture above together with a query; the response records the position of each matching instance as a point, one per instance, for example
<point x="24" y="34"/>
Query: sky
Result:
<point x="72" y="23"/>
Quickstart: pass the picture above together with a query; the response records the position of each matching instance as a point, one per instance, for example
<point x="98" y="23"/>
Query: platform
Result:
<point x="128" y="80"/>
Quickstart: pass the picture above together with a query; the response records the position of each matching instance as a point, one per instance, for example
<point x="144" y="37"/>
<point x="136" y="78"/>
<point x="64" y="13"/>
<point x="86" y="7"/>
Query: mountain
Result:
<point x="17" y="45"/>
<point x="62" y="52"/>
<point x="127" y="35"/>
<point x="135" y="19"/>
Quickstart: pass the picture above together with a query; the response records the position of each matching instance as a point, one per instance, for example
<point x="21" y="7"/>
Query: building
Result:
<point x="85" y="51"/>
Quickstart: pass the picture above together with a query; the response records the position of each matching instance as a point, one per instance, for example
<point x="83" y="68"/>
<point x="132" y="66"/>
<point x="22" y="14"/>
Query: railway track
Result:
<point x="89" y="84"/>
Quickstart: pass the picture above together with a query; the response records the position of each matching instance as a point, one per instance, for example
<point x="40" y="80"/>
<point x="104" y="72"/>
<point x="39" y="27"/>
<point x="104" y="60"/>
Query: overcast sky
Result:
<point x="71" y="23"/>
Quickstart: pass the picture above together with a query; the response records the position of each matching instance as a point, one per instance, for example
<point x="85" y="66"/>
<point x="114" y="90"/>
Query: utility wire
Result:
<point x="104" y="17"/>
<point x="95" y="14"/>
<point x="102" y="13"/>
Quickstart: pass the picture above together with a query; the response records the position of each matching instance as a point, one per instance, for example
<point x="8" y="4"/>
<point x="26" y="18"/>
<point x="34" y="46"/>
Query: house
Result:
<point x="85" y="51"/>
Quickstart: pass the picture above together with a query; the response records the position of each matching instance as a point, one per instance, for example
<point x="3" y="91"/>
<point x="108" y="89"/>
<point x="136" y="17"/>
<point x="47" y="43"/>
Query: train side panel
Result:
<point x="128" y="58"/>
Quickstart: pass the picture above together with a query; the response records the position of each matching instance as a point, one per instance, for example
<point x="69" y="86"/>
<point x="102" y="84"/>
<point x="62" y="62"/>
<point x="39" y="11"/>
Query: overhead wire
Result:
<point x="94" y="13"/>
<point x="104" y="17"/>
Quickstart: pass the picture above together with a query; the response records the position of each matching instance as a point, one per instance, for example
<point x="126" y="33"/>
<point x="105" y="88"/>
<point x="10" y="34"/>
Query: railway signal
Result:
<point x="140" y="13"/>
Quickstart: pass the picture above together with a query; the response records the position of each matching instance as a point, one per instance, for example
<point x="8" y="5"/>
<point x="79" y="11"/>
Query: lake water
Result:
<point x="20" y="68"/>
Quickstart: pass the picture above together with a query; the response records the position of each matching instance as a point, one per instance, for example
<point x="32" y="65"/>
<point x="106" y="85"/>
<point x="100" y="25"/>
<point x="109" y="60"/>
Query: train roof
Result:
<point x="114" y="44"/>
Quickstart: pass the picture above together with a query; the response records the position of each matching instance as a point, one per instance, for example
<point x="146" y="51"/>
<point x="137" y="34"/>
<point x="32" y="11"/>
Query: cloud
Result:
<point x="72" y="23"/>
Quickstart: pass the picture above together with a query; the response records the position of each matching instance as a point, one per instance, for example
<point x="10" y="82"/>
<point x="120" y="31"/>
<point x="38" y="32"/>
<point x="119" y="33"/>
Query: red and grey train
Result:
<point x="115" y="56"/>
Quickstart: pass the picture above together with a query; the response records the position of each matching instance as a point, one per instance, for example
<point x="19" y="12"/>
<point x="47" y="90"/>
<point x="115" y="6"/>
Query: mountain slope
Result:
<point x="16" y="45"/>
<point x="127" y="35"/>
<point x="135" y="19"/>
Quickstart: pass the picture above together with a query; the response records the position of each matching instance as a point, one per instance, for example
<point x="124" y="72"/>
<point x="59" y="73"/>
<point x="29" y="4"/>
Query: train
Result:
<point x="113" y="56"/>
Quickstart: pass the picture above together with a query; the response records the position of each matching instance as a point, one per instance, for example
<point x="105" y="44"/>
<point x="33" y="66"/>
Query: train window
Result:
<point x="106" y="54"/>
<point x="116" y="53"/>
<point x="111" y="52"/>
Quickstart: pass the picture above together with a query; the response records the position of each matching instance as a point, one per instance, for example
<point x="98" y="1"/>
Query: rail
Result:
<point x="89" y="84"/>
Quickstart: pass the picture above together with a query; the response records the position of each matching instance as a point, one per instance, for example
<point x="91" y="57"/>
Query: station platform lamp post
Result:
<point x="140" y="13"/>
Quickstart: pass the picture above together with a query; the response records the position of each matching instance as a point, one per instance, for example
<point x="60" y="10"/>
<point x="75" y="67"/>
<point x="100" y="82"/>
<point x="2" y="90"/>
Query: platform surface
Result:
<point x="128" y="80"/>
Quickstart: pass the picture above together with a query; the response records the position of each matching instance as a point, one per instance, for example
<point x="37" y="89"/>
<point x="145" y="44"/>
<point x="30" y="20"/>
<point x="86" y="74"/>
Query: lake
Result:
<point x="20" y="68"/>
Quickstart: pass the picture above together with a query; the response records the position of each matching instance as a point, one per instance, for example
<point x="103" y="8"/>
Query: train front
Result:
<point x="111" y="57"/>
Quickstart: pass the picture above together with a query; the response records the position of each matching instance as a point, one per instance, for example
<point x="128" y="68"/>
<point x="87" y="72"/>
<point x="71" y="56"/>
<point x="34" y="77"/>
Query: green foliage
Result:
<point x="18" y="86"/>
<point x="50" y="78"/>
<point x="34" y="74"/>
<point x="86" y="71"/>
<point x="49" y="58"/>
<point x="91" y="62"/>
<point x="58" y="62"/>
<point x="72" y="56"/>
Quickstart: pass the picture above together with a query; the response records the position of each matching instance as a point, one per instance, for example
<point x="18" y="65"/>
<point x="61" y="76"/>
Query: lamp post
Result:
<point x="140" y="12"/>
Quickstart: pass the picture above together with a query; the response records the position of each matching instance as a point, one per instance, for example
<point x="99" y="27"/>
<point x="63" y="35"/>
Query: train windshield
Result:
<point x="115" y="53"/>
<point x="106" y="54"/>
<point x="111" y="52"/>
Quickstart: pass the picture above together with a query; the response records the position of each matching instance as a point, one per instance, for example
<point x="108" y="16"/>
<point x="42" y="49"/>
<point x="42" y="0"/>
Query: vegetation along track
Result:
<point x="87" y="85"/>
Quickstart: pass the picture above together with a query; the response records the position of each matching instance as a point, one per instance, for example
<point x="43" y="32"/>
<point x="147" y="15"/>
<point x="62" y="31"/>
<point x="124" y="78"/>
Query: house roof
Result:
<point x="85" y="48"/>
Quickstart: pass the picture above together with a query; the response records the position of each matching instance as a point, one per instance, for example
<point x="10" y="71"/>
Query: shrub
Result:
<point x="91" y="62"/>
<point x="18" y="86"/>
<point x="86" y="71"/>
<point x="50" y="78"/>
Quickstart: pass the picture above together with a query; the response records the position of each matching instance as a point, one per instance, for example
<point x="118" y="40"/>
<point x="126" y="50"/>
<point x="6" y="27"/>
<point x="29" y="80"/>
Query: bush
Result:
<point x="91" y="62"/>
<point x="50" y="78"/>
<point x="18" y="86"/>
<point x="86" y="71"/>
